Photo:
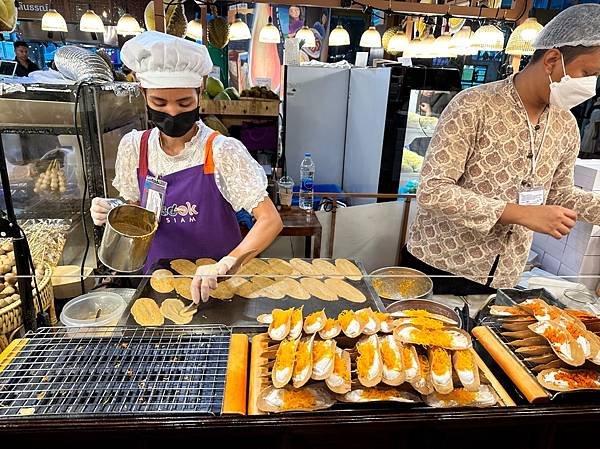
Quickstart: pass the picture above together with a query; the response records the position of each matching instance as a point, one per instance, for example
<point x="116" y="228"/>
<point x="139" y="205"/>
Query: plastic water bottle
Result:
<point x="307" y="179"/>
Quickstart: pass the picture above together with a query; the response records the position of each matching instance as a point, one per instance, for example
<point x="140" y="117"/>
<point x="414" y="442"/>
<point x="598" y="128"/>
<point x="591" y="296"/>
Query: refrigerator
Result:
<point x="367" y="129"/>
<point x="390" y="125"/>
<point x="316" y="104"/>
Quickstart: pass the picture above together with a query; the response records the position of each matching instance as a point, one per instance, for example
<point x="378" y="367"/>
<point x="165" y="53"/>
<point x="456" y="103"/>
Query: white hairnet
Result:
<point x="577" y="25"/>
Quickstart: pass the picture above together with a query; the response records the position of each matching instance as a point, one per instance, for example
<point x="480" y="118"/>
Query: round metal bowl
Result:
<point x="406" y="283"/>
<point x="424" y="304"/>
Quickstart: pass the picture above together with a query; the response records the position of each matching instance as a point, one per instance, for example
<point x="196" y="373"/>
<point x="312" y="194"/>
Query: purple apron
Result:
<point x="196" y="220"/>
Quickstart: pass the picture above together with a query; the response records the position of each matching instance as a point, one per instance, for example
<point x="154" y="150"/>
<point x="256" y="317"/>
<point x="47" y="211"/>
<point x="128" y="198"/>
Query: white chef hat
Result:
<point x="576" y="25"/>
<point x="160" y="60"/>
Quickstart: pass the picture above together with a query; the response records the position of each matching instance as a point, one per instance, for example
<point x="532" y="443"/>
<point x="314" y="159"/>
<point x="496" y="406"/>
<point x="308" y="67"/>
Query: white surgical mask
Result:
<point x="569" y="92"/>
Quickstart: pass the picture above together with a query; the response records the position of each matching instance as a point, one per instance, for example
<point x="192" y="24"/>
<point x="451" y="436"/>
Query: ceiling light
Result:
<point x="521" y="39"/>
<point x="488" y="38"/>
<point x="194" y="30"/>
<point x="269" y="34"/>
<point x="398" y="42"/>
<point x="53" y="21"/>
<point x="128" y="26"/>
<point x="370" y="38"/>
<point x="91" y="22"/>
<point x="239" y="31"/>
<point x="338" y="37"/>
<point x="306" y="35"/>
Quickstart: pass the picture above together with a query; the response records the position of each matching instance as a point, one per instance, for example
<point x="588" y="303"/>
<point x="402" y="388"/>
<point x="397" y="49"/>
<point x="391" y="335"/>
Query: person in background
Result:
<point x="25" y="65"/>
<point x="501" y="162"/>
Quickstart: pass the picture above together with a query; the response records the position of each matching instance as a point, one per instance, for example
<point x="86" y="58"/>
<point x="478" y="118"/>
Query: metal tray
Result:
<point x="240" y="311"/>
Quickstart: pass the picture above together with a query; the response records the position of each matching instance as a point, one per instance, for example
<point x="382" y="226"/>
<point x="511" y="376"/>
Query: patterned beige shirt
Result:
<point x="478" y="159"/>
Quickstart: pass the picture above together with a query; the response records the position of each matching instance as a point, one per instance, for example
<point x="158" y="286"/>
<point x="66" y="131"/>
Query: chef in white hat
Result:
<point x="198" y="178"/>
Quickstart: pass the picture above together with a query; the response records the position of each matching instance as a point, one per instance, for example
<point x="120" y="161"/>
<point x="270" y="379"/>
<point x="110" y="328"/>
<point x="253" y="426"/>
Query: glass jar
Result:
<point x="579" y="299"/>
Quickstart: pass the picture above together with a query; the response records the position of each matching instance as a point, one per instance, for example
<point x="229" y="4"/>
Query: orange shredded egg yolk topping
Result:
<point x="579" y="379"/>
<point x="381" y="316"/>
<point x="298" y="398"/>
<point x="345" y="318"/>
<point x="314" y="318"/>
<point x="574" y="330"/>
<point x="440" y="361"/>
<point x="330" y="325"/>
<point x="407" y="356"/>
<point x="303" y="356"/>
<point x="541" y="308"/>
<point x="431" y="338"/>
<point x="285" y="354"/>
<point x="416" y="313"/>
<point x="340" y="368"/>
<point x="280" y="317"/>
<point x="555" y="335"/>
<point x="389" y="356"/>
<point x="424" y="365"/>
<point x="322" y="350"/>
<point x="464" y="360"/>
<point x="460" y="395"/>
<point x="366" y="357"/>
<point x="427" y="323"/>
<point x="296" y="316"/>
<point x="377" y="393"/>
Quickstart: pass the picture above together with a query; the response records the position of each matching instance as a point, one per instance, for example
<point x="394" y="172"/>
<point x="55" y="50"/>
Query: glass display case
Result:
<point x="60" y="144"/>
<point x="424" y="110"/>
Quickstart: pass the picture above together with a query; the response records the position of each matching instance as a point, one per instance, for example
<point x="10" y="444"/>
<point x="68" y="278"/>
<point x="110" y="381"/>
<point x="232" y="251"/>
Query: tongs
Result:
<point x="193" y="307"/>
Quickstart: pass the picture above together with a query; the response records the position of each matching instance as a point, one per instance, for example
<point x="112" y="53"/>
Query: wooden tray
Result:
<point x="242" y="312"/>
<point x="258" y="380"/>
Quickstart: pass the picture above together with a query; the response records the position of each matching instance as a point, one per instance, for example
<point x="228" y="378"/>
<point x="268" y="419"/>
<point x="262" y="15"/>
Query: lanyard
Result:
<point x="536" y="154"/>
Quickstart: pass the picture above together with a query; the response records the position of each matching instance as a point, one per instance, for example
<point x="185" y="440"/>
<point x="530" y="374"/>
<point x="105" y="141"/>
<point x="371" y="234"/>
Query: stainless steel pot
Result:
<point x="127" y="238"/>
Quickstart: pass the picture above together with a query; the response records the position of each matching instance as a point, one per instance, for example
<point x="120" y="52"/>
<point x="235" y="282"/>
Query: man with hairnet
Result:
<point x="500" y="164"/>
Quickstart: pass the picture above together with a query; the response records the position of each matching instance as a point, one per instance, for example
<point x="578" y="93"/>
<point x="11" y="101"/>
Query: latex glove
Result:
<point x="99" y="210"/>
<point x="205" y="278"/>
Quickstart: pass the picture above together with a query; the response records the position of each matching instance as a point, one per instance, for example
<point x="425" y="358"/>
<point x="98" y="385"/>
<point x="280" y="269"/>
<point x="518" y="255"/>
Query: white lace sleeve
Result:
<point x="126" y="181"/>
<point x="240" y="179"/>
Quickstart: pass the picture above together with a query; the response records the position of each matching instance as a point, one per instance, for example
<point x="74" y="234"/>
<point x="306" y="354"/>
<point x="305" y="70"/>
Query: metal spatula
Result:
<point x="193" y="307"/>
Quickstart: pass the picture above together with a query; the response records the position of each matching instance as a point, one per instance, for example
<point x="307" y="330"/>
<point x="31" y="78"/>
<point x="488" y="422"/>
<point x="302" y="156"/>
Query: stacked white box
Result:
<point x="577" y="256"/>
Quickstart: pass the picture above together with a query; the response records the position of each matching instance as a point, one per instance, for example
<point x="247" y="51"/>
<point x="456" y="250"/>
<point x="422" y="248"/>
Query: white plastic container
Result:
<point x="95" y="309"/>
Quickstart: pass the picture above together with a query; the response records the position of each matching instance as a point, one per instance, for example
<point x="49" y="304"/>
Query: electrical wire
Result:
<point x="85" y="186"/>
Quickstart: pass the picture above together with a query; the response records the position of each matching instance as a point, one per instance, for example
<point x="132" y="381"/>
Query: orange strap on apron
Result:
<point x="209" y="163"/>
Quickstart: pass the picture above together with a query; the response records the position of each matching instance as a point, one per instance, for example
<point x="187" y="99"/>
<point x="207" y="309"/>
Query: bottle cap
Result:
<point x="307" y="154"/>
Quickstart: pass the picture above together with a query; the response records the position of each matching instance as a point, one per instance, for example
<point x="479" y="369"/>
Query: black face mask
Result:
<point x="174" y="125"/>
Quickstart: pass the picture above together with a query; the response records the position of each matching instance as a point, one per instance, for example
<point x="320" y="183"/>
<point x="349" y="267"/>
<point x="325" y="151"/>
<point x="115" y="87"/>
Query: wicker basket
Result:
<point x="11" y="318"/>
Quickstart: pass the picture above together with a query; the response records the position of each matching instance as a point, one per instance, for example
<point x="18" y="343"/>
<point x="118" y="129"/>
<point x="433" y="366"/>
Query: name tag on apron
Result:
<point x="154" y="194"/>
<point x="532" y="196"/>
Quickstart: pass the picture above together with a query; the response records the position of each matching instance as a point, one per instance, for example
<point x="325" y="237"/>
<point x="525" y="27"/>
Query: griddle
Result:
<point x="115" y="371"/>
<point x="240" y="311"/>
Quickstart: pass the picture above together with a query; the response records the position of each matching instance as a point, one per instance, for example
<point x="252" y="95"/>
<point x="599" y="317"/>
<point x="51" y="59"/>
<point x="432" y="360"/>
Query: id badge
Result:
<point x="154" y="195"/>
<point x="532" y="196"/>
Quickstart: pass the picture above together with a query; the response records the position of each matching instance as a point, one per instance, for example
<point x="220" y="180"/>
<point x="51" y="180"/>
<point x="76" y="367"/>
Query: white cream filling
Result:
<point x="335" y="380"/>
<point x="353" y="328"/>
<point x="331" y="333"/>
<point x="314" y="327"/>
<point x="565" y="349"/>
<point x="281" y="375"/>
<point x="391" y="374"/>
<point x="585" y="345"/>
<point x="279" y="332"/>
<point x="441" y="380"/>
<point x="296" y="329"/>
<point x="371" y="326"/>
<point x="466" y="376"/>
<point x="322" y="366"/>
<point x="302" y="374"/>
<point x="275" y="398"/>
<point x="375" y="367"/>
<point x="551" y="378"/>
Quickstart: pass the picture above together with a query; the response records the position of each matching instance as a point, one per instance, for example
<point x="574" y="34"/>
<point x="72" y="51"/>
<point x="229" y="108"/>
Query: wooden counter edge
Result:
<point x="527" y="384"/>
<point x="257" y="362"/>
<point x="236" y="382"/>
